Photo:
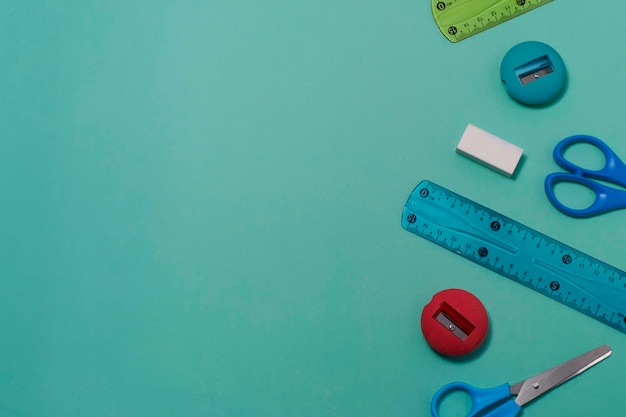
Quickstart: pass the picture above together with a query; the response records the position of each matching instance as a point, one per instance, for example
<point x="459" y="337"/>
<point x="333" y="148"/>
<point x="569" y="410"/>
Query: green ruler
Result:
<point x="518" y="252"/>
<point x="460" y="19"/>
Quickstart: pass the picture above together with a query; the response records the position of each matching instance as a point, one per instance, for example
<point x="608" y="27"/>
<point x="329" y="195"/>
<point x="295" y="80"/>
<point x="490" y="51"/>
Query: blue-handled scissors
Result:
<point x="499" y="401"/>
<point x="614" y="171"/>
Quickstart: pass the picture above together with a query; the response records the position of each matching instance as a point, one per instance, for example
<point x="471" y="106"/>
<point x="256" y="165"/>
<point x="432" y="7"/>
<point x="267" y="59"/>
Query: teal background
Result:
<point x="201" y="205"/>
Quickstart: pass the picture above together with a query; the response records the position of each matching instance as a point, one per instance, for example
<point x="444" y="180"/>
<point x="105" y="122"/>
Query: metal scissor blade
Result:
<point x="535" y="386"/>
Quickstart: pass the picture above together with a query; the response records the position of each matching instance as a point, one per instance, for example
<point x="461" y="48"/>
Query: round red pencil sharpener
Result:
<point x="455" y="322"/>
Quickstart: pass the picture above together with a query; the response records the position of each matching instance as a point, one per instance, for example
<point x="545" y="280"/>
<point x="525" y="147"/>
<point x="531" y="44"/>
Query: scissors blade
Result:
<point x="537" y="385"/>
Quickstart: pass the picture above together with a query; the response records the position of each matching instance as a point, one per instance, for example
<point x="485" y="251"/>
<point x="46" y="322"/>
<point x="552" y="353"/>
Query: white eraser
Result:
<point x="489" y="150"/>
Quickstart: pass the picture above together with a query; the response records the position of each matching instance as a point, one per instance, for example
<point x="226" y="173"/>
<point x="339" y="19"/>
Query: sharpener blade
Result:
<point x="453" y="321"/>
<point x="534" y="70"/>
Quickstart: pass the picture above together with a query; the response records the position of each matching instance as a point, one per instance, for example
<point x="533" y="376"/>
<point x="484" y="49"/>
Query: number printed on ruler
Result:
<point x="518" y="252"/>
<point x="460" y="19"/>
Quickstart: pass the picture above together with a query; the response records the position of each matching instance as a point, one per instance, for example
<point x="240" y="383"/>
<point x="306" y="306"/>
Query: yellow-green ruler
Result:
<point x="460" y="19"/>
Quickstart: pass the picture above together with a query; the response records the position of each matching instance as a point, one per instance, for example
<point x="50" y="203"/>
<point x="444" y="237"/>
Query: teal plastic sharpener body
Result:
<point x="533" y="73"/>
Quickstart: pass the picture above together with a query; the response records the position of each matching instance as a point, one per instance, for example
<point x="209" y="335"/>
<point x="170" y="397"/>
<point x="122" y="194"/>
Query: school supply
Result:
<point x="460" y="19"/>
<point x="454" y="322"/>
<point x="518" y="252"/>
<point x="500" y="401"/>
<point x="489" y="150"/>
<point x="533" y="73"/>
<point x="606" y="198"/>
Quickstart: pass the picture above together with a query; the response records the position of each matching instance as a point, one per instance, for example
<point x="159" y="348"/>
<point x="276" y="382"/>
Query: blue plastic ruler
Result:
<point x="518" y="252"/>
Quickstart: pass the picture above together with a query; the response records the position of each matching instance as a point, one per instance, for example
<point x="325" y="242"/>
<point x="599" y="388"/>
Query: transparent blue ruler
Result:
<point x="518" y="252"/>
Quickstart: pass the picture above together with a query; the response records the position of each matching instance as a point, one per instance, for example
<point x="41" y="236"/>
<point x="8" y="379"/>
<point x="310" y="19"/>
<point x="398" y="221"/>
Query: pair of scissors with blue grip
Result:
<point x="614" y="171"/>
<point x="507" y="400"/>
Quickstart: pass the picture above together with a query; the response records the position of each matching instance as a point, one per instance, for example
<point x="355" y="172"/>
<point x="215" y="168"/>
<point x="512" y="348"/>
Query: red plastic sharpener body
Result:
<point x="455" y="322"/>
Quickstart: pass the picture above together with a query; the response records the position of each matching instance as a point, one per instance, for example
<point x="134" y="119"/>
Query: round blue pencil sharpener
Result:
<point x="533" y="73"/>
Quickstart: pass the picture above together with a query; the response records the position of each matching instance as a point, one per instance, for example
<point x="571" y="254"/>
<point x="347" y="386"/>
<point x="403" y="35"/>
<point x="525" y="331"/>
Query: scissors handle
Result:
<point x="607" y="198"/>
<point x="491" y="402"/>
<point x="614" y="169"/>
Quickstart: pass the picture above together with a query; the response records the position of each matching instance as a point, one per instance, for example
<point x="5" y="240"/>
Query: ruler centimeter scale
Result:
<point x="518" y="252"/>
<point x="460" y="19"/>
